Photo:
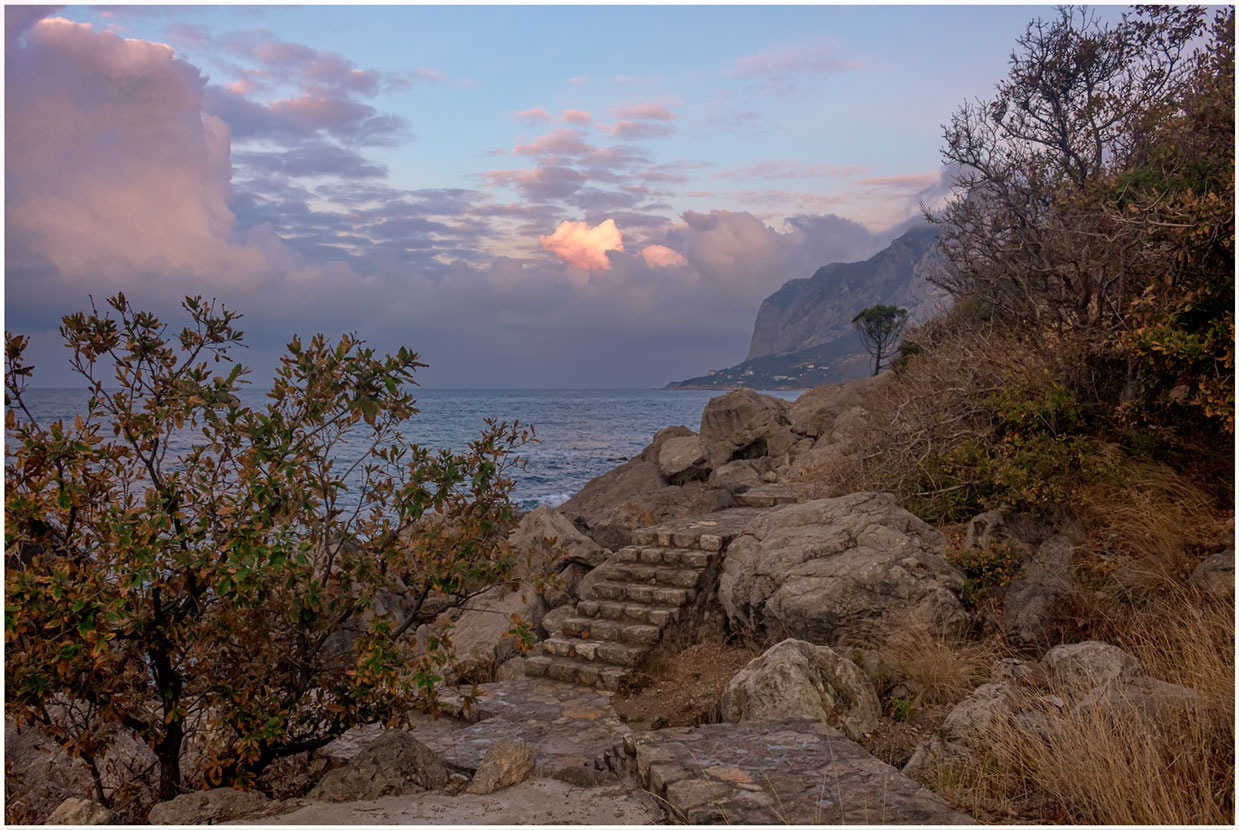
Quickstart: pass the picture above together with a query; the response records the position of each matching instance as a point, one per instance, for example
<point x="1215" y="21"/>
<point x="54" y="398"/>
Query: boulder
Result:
<point x="1154" y="699"/>
<point x="1216" y="575"/>
<point x="505" y="763"/>
<point x="608" y="491"/>
<point x="737" y="476"/>
<point x="513" y="669"/>
<point x="1038" y="604"/>
<point x="652" y="452"/>
<point x="795" y="679"/>
<point x="933" y="754"/>
<point x="973" y="720"/>
<point x="695" y="498"/>
<point x="552" y="624"/>
<point x="536" y="557"/>
<point x="814" y="413"/>
<point x="395" y="763"/>
<point x="744" y="424"/>
<point x="81" y="811"/>
<point x="850" y="570"/>
<point x="209" y="806"/>
<point x="683" y="459"/>
<point x="1079" y="668"/>
<point x="480" y="631"/>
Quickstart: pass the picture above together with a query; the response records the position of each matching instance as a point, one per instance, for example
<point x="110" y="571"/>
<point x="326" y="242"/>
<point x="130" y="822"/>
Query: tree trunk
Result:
<point x="168" y="751"/>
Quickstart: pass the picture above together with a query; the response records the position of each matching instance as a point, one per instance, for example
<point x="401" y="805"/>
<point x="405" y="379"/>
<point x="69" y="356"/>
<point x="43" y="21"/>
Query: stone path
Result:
<point x="642" y="592"/>
<point x="778" y="494"/>
<point x="781" y="772"/>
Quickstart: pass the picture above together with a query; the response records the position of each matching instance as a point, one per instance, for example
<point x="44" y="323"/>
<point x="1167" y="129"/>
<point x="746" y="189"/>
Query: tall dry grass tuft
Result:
<point x="940" y="668"/>
<point x="1123" y="764"/>
<point x="1145" y="525"/>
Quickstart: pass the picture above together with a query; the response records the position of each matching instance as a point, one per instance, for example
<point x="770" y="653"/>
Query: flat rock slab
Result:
<point x="536" y="801"/>
<point x="773" y="495"/>
<point x="779" y="772"/>
<point x="574" y="730"/>
<point x="710" y="532"/>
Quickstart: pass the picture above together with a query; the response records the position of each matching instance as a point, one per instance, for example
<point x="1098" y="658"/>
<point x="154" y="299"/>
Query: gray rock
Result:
<point x="601" y="495"/>
<point x="744" y="424"/>
<point x="973" y="720"/>
<point x="553" y="620"/>
<point x="683" y="459"/>
<point x="505" y="763"/>
<point x="1038" y="603"/>
<point x="209" y="806"/>
<point x="1154" y="699"/>
<point x="1079" y="668"/>
<point x="480" y="632"/>
<point x="845" y="571"/>
<point x="985" y="529"/>
<point x="795" y="679"/>
<point x="1216" y="575"/>
<point x="395" y="763"/>
<point x="652" y="452"/>
<point x="535" y="556"/>
<point x="737" y="476"/>
<point x="695" y="498"/>
<point x="814" y="412"/>
<point x="513" y="669"/>
<point x="932" y="755"/>
<point x="776" y="772"/>
<point x="81" y="811"/>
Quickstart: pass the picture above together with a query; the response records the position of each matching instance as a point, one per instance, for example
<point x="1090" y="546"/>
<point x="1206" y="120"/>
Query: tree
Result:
<point x="879" y="328"/>
<point x="178" y="562"/>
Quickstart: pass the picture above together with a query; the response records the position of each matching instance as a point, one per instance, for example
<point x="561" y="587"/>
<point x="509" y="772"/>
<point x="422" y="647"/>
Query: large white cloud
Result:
<point x="581" y="246"/>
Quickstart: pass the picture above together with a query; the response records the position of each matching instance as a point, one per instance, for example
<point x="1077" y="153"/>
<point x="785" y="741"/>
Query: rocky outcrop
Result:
<point x="1216" y="575"/>
<point x="81" y="811"/>
<point x="833" y="571"/>
<point x="395" y="763"/>
<point x="683" y="459"/>
<point x="1039" y="603"/>
<point x="479" y="629"/>
<point x="795" y="679"/>
<point x="635" y="495"/>
<point x="209" y="807"/>
<point x="744" y="424"/>
<point x="505" y="763"/>
<point x="814" y="413"/>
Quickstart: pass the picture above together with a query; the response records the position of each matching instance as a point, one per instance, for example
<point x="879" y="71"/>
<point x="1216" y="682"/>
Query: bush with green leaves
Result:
<point x="229" y="591"/>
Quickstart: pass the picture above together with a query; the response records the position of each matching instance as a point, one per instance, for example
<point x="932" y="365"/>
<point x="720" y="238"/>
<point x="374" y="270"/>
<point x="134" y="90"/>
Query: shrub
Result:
<point x="229" y="590"/>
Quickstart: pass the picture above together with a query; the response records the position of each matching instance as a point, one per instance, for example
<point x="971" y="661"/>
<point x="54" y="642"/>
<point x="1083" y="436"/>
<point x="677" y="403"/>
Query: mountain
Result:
<point x="803" y="335"/>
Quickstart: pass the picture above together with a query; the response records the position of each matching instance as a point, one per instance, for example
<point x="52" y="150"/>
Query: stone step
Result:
<point x="675" y="557"/>
<point x="573" y="670"/>
<point x="710" y="533"/>
<point x="774" y="495"/>
<point x="651" y="575"/>
<point x="645" y="594"/>
<point x="658" y="615"/>
<point x="611" y="630"/>
<point x="595" y="651"/>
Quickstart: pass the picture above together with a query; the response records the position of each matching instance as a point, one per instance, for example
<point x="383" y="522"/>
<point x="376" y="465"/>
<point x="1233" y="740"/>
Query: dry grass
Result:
<point x="938" y="668"/>
<point x="1124" y="765"/>
<point x="684" y="688"/>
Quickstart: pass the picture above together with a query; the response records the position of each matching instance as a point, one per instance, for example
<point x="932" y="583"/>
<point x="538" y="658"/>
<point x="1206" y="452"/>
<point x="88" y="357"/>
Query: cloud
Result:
<point x="636" y="130"/>
<point x="579" y="117"/>
<point x="646" y="112"/>
<point x="660" y="256"/>
<point x="562" y="142"/>
<point x="533" y="116"/>
<point x="786" y="170"/>
<point x="910" y="181"/>
<point x="581" y="246"/>
<point x="814" y="58"/>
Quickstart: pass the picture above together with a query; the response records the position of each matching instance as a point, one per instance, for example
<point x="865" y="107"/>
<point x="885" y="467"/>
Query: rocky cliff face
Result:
<point x="808" y="313"/>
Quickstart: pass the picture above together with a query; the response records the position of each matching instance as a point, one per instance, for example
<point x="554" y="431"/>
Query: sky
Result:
<point x="526" y="196"/>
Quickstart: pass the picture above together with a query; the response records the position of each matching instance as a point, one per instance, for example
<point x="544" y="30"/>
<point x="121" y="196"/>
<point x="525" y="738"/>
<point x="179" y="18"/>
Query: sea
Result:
<point x="581" y="433"/>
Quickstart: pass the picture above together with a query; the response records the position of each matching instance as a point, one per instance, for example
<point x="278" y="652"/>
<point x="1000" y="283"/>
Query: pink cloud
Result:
<point x="639" y="129"/>
<point x="563" y="142"/>
<point x="818" y="58"/>
<point x="699" y="194"/>
<point x="787" y="170"/>
<point x="579" y="245"/>
<point x="910" y="181"/>
<point x="534" y="115"/>
<point x="660" y="256"/>
<point x="646" y="112"/>
<point x="576" y="80"/>
<point x="576" y="117"/>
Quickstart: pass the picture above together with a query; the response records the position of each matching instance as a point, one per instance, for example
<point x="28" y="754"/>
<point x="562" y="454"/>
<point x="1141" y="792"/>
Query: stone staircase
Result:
<point x="637" y="599"/>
